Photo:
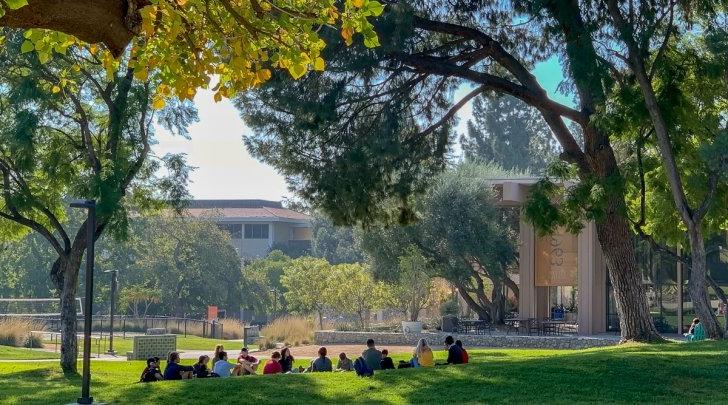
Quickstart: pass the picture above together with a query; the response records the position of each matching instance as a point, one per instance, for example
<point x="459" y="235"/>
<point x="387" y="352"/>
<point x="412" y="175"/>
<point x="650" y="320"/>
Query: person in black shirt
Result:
<point x="286" y="360"/>
<point x="200" y="370"/>
<point x="386" y="363"/>
<point x="454" y="353"/>
<point x="151" y="373"/>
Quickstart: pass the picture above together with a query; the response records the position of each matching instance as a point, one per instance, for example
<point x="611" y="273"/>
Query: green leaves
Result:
<point x="15" y="4"/>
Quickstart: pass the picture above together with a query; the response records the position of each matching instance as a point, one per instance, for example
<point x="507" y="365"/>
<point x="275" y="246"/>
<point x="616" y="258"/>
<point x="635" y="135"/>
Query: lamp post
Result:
<point x="90" y="206"/>
<point x="112" y="311"/>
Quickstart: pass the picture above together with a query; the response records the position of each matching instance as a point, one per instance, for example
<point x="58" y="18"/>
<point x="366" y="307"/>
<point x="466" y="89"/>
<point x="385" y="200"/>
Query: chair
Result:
<point x="534" y="326"/>
<point x="483" y="326"/>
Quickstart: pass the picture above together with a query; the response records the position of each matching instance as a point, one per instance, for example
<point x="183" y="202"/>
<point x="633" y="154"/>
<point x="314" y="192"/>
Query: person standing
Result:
<point x="372" y="356"/>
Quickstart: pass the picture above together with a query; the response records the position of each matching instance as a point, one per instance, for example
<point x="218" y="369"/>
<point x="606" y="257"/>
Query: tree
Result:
<point x="681" y="85"/>
<point x="183" y="43"/>
<point x="380" y="126"/>
<point x="461" y="233"/>
<point x="415" y="289"/>
<point x="24" y="268"/>
<point x="132" y="297"/>
<point x="71" y="128"/>
<point x="354" y="291"/>
<point x="261" y="279"/>
<point x="334" y="243"/>
<point x="508" y="132"/>
<point x="306" y="282"/>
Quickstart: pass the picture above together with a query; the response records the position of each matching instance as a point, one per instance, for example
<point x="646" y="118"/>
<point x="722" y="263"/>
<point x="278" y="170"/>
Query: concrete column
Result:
<point x="592" y="276"/>
<point x="527" y="271"/>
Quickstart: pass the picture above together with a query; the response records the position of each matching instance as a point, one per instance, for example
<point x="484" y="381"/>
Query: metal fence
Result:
<point x="101" y="325"/>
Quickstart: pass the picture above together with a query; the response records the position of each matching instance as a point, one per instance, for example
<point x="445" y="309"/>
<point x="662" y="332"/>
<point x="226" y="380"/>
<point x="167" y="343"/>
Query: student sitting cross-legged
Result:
<point x="322" y="363"/>
<point x="248" y="362"/>
<point x="151" y="372"/>
<point x="344" y="364"/>
<point x="422" y="356"/>
<point x="273" y="366"/>
<point x="225" y="369"/>
<point x="386" y="363"/>
<point x="176" y="371"/>
<point x="459" y="344"/>
<point x="200" y="369"/>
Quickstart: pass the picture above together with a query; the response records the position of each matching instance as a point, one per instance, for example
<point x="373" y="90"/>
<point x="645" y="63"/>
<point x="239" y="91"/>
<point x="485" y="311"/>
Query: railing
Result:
<point x="101" y="324"/>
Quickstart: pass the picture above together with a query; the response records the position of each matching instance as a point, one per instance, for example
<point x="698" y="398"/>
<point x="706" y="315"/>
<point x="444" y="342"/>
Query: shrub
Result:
<point x="16" y="332"/>
<point x="232" y="329"/>
<point x="293" y="330"/>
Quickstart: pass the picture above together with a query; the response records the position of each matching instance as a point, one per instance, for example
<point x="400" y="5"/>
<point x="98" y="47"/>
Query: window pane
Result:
<point x="248" y="231"/>
<point x="264" y="231"/>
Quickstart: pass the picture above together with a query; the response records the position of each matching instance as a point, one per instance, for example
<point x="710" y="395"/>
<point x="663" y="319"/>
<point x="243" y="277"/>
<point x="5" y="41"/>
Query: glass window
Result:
<point x="256" y="231"/>
<point x="234" y="230"/>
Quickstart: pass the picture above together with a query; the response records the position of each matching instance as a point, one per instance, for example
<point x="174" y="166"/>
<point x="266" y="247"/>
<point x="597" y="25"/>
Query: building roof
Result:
<point x="244" y="210"/>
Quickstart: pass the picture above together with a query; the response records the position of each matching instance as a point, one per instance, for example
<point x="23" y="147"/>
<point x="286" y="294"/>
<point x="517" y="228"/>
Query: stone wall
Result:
<point x="152" y="346"/>
<point x="437" y="339"/>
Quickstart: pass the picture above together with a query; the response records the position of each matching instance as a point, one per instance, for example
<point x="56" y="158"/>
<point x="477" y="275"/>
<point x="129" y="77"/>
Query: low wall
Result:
<point x="436" y="339"/>
<point x="146" y="346"/>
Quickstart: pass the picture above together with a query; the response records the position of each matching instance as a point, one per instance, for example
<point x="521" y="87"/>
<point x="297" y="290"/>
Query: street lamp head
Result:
<point x="83" y="204"/>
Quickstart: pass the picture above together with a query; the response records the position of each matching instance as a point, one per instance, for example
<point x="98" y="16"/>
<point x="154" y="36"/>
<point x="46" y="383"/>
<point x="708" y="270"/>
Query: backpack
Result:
<point x="361" y="368"/>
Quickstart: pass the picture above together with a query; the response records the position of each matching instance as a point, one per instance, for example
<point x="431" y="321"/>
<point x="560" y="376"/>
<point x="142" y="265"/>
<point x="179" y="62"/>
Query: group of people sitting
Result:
<point x="281" y="362"/>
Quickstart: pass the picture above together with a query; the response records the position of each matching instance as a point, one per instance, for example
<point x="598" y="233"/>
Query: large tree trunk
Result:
<point x="698" y="286"/>
<point x="67" y="269"/>
<point x="113" y="22"/>
<point x="635" y="321"/>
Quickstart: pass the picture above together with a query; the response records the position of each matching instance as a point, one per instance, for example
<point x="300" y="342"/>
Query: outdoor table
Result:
<point x="552" y="326"/>
<point x="517" y="324"/>
<point x="476" y="326"/>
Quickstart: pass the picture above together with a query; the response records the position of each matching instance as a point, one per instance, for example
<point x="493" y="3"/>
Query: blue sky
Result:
<point x="225" y="170"/>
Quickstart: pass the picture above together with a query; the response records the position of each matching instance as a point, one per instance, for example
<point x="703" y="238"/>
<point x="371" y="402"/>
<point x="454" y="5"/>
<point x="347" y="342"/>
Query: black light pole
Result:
<point x="113" y="307"/>
<point x="89" y="205"/>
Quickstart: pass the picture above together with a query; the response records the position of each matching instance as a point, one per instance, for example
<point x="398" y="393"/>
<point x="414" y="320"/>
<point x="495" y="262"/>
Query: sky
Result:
<point x="225" y="170"/>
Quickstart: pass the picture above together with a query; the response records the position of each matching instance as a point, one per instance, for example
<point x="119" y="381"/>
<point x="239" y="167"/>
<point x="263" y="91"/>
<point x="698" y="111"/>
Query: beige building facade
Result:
<point x="558" y="270"/>
<point x="257" y="226"/>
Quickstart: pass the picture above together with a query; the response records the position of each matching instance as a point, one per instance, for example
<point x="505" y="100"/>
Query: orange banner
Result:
<point x="556" y="260"/>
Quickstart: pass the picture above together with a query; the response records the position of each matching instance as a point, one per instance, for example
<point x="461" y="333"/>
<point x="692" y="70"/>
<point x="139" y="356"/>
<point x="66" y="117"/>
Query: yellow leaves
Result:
<point x="55" y="89"/>
<point x="297" y="70"/>
<point x="319" y="64"/>
<point x="217" y="97"/>
<point x="158" y="103"/>
<point x="263" y="75"/>
<point x="181" y="2"/>
<point x="357" y="3"/>
<point x="265" y="5"/>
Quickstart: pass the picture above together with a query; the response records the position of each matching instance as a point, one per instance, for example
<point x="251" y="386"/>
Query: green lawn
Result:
<point x="18" y="353"/>
<point x="122" y="346"/>
<point x="667" y="373"/>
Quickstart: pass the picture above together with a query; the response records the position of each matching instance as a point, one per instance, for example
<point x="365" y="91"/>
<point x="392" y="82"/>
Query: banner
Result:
<point x="556" y="259"/>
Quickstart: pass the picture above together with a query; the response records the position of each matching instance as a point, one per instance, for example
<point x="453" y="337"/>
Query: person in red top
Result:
<point x="249" y="363"/>
<point x="273" y="366"/>
<point x="465" y="353"/>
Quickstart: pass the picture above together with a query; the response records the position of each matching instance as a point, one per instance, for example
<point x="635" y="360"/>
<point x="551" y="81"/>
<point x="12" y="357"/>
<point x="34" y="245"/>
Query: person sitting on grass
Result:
<point x="386" y="363"/>
<point x="696" y="331"/>
<point x="249" y="363"/>
<point x="322" y="363"/>
<point x="200" y="369"/>
<point x="344" y="364"/>
<point x="454" y="353"/>
<point x="176" y="371"/>
<point x="151" y="372"/>
<point x="225" y="369"/>
<point x="466" y="358"/>
<point x="286" y="360"/>
<point x="372" y="356"/>
<point x="273" y="366"/>
<point x="423" y="356"/>
<point x="216" y="355"/>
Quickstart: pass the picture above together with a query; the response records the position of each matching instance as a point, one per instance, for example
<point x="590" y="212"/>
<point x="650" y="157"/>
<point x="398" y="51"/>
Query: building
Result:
<point x="256" y="226"/>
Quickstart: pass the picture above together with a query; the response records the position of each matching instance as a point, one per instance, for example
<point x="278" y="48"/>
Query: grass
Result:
<point x="122" y="346"/>
<point x="16" y="353"/>
<point x="16" y="332"/>
<point x="666" y="373"/>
